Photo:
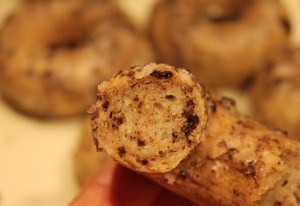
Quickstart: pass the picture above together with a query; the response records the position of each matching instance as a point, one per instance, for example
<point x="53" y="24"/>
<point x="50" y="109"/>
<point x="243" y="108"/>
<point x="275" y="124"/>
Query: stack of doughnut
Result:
<point x="212" y="39"/>
<point x="155" y="119"/>
<point x="159" y="121"/>
<point x="276" y="94"/>
<point x="223" y="42"/>
<point x="53" y="54"/>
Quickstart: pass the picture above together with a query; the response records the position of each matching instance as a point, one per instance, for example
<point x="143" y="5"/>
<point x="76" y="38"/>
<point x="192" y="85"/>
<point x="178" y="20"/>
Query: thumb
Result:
<point x="116" y="185"/>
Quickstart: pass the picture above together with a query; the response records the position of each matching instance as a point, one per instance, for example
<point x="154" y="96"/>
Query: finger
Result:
<point x="96" y="191"/>
<point x="115" y="185"/>
<point x="168" y="198"/>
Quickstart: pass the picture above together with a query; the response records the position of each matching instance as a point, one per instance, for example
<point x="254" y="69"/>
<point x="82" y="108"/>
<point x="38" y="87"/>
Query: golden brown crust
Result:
<point x="220" y="49"/>
<point x="236" y="162"/>
<point x="50" y="66"/>
<point x="276" y="94"/>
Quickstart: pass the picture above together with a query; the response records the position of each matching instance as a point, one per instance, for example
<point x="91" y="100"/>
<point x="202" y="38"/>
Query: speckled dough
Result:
<point x="172" y="131"/>
<point x="54" y="53"/>
<point x="222" y="42"/>
<point x="276" y="94"/>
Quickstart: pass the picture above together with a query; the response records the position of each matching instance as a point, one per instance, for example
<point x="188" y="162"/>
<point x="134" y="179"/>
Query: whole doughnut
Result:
<point x="54" y="53"/>
<point x="223" y="42"/>
<point x="276" y="94"/>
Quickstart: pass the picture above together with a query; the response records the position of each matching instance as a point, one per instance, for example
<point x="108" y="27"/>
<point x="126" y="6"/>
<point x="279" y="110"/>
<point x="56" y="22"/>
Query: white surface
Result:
<point x="36" y="159"/>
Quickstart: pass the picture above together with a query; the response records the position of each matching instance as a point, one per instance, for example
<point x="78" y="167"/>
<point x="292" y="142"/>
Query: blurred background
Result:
<point x="37" y="156"/>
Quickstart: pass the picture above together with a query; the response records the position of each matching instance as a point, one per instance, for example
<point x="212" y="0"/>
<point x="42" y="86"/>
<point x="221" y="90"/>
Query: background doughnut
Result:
<point x="276" y="94"/>
<point x="212" y="39"/>
<point x="54" y="53"/>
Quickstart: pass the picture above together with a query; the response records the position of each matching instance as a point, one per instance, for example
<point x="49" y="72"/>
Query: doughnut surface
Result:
<point x="222" y="42"/>
<point x="54" y="53"/>
<point x="276" y="94"/>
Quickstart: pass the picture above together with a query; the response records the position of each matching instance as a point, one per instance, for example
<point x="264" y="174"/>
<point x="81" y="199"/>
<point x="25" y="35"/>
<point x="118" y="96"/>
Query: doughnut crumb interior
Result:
<point x="170" y="117"/>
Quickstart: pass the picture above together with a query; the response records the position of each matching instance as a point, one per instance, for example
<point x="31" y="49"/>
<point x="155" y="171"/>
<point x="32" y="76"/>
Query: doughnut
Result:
<point x="223" y="42"/>
<point x="54" y="53"/>
<point x="117" y="113"/>
<point x="276" y="94"/>
<point x="87" y="160"/>
<point x="160" y="122"/>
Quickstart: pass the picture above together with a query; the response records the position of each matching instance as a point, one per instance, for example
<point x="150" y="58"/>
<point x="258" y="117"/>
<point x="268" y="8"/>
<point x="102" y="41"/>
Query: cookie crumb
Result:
<point x="170" y="97"/>
<point x="161" y="74"/>
<point x="105" y="105"/>
<point x="141" y="143"/>
<point x="144" y="162"/>
<point x="121" y="151"/>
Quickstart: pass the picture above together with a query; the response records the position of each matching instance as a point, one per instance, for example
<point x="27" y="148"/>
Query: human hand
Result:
<point x="115" y="185"/>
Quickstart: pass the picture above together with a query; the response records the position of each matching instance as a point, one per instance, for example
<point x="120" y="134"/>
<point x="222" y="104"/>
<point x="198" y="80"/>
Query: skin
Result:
<point x="115" y="185"/>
